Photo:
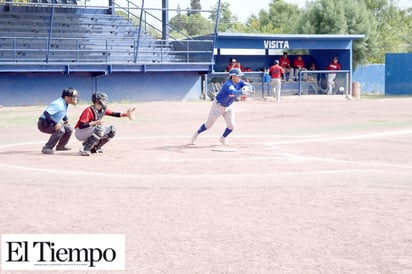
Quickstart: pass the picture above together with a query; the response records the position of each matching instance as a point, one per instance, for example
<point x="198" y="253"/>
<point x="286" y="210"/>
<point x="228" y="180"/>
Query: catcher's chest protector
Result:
<point x="98" y="114"/>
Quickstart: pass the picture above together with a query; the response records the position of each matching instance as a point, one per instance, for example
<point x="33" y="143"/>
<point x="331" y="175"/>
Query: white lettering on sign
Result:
<point x="276" y="44"/>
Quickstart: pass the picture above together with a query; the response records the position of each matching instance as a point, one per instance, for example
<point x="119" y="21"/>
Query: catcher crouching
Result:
<point x="90" y="129"/>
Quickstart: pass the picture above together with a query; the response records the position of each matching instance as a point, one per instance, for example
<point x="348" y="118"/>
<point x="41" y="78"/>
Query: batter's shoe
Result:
<point x="46" y="150"/>
<point x="224" y="141"/>
<point x="194" y="138"/>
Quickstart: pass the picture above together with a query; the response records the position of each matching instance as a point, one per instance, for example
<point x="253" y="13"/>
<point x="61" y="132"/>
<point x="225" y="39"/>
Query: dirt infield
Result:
<point x="316" y="184"/>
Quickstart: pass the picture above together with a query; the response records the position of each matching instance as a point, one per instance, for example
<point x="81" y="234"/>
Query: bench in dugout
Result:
<point x="316" y="82"/>
<point x="213" y="89"/>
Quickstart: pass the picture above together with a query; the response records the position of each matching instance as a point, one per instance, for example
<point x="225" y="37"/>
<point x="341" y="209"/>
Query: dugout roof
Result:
<point x="322" y="47"/>
<point x="285" y="41"/>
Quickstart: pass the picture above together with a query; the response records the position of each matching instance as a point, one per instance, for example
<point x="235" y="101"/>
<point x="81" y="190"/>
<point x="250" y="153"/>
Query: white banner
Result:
<point x="62" y="252"/>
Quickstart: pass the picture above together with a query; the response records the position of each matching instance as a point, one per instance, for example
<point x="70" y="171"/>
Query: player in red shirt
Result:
<point x="333" y="65"/>
<point x="298" y="65"/>
<point x="284" y="62"/>
<point x="90" y="129"/>
<point x="234" y="64"/>
<point x="276" y="72"/>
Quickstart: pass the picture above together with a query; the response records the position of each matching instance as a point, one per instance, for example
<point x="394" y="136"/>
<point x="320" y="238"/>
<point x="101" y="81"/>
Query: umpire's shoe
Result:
<point x="65" y="148"/>
<point x="46" y="150"/>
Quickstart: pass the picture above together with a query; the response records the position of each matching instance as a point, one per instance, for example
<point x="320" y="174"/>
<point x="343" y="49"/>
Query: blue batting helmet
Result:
<point x="235" y="72"/>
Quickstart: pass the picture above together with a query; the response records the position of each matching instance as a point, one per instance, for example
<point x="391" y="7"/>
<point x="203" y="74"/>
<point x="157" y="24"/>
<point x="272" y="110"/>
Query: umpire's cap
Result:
<point x="235" y="72"/>
<point x="70" y="92"/>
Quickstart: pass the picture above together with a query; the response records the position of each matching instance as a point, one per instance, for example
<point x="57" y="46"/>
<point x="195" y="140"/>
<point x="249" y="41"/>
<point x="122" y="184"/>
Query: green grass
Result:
<point x="383" y="96"/>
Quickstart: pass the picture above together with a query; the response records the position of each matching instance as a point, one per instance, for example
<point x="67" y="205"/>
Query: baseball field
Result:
<point x="314" y="184"/>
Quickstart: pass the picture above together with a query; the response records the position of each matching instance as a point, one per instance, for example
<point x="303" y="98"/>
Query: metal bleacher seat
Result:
<point x="78" y="37"/>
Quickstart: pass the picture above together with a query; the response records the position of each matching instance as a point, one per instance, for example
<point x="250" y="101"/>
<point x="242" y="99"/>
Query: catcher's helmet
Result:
<point x="98" y="97"/>
<point x="235" y="72"/>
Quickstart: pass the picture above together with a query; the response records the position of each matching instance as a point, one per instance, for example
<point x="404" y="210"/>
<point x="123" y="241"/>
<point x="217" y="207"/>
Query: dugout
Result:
<point x="258" y="52"/>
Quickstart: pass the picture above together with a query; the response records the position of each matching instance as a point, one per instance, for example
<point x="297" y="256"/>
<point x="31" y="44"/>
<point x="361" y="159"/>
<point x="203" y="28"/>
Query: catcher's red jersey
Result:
<point x="89" y="115"/>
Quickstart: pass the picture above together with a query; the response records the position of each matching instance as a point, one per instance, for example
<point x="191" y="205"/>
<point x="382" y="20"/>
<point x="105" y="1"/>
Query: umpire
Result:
<point x="54" y="121"/>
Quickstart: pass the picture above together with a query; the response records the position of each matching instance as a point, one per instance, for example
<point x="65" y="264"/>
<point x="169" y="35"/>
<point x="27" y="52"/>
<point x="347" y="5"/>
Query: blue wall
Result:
<point x="371" y="78"/>
<point x="19" y="89"/>
<point x="398" y="73"/>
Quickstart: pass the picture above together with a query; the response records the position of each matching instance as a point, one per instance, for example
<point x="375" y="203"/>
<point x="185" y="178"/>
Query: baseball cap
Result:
<point x="276" y="61"/>
<point x="235" y="72"/>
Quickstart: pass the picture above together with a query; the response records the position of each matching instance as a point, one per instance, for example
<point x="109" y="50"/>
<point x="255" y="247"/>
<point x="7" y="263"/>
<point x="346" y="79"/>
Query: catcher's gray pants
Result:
<point x="95" y="136"/>
<point x="218" y="110"/>
<point x="83" y="133"/>
<point x="100" y="131"/>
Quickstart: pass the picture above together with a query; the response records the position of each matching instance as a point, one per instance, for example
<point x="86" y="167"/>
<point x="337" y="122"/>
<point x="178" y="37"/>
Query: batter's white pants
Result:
<point x="218" y="110"/>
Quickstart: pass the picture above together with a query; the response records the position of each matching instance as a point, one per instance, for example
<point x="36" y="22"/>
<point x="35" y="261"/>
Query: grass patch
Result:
<point x="383" y="96"/>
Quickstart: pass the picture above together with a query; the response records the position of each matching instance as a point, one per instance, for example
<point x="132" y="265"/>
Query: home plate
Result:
<point x="224" y="149"/>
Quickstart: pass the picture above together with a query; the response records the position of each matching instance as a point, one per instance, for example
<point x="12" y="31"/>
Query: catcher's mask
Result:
<point x="100" y="98"/>
<point x="72" y="93"/>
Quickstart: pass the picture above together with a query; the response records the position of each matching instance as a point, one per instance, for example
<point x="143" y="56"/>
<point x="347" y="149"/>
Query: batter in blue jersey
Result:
<point x="222" y="105"/>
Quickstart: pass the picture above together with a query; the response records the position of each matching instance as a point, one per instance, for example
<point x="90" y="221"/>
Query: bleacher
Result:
<point x="47" y="46"/>
<point x="74" y="38"/>
<point x="47" y="34"/>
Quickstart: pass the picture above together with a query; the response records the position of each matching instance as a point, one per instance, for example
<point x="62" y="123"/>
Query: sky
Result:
<point x="243" y="9"/>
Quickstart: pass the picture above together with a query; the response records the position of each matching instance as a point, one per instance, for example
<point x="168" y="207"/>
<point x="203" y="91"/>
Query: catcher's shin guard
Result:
<point x="90" y="142"/>
<point x="98" y="147"/>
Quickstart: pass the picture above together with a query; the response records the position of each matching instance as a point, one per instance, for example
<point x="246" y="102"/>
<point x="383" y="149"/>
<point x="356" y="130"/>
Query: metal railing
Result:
<point x="97" y="50"/>
<point x="308" y="82"/>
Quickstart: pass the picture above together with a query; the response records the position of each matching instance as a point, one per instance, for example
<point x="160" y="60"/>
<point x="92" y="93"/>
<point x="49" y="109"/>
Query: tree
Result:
<point x="193" y="25"/>
<point x="227" y="21"/>
<point x="342" y="17"/>
<point x="195" y="7"/>
<point x="394" y="27"/>
<point x="279" y="18"/>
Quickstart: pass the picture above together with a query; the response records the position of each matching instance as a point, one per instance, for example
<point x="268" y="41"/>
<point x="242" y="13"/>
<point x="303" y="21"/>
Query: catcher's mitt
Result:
<point x="248" y="90"/>
<point x="131" y="113"/>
